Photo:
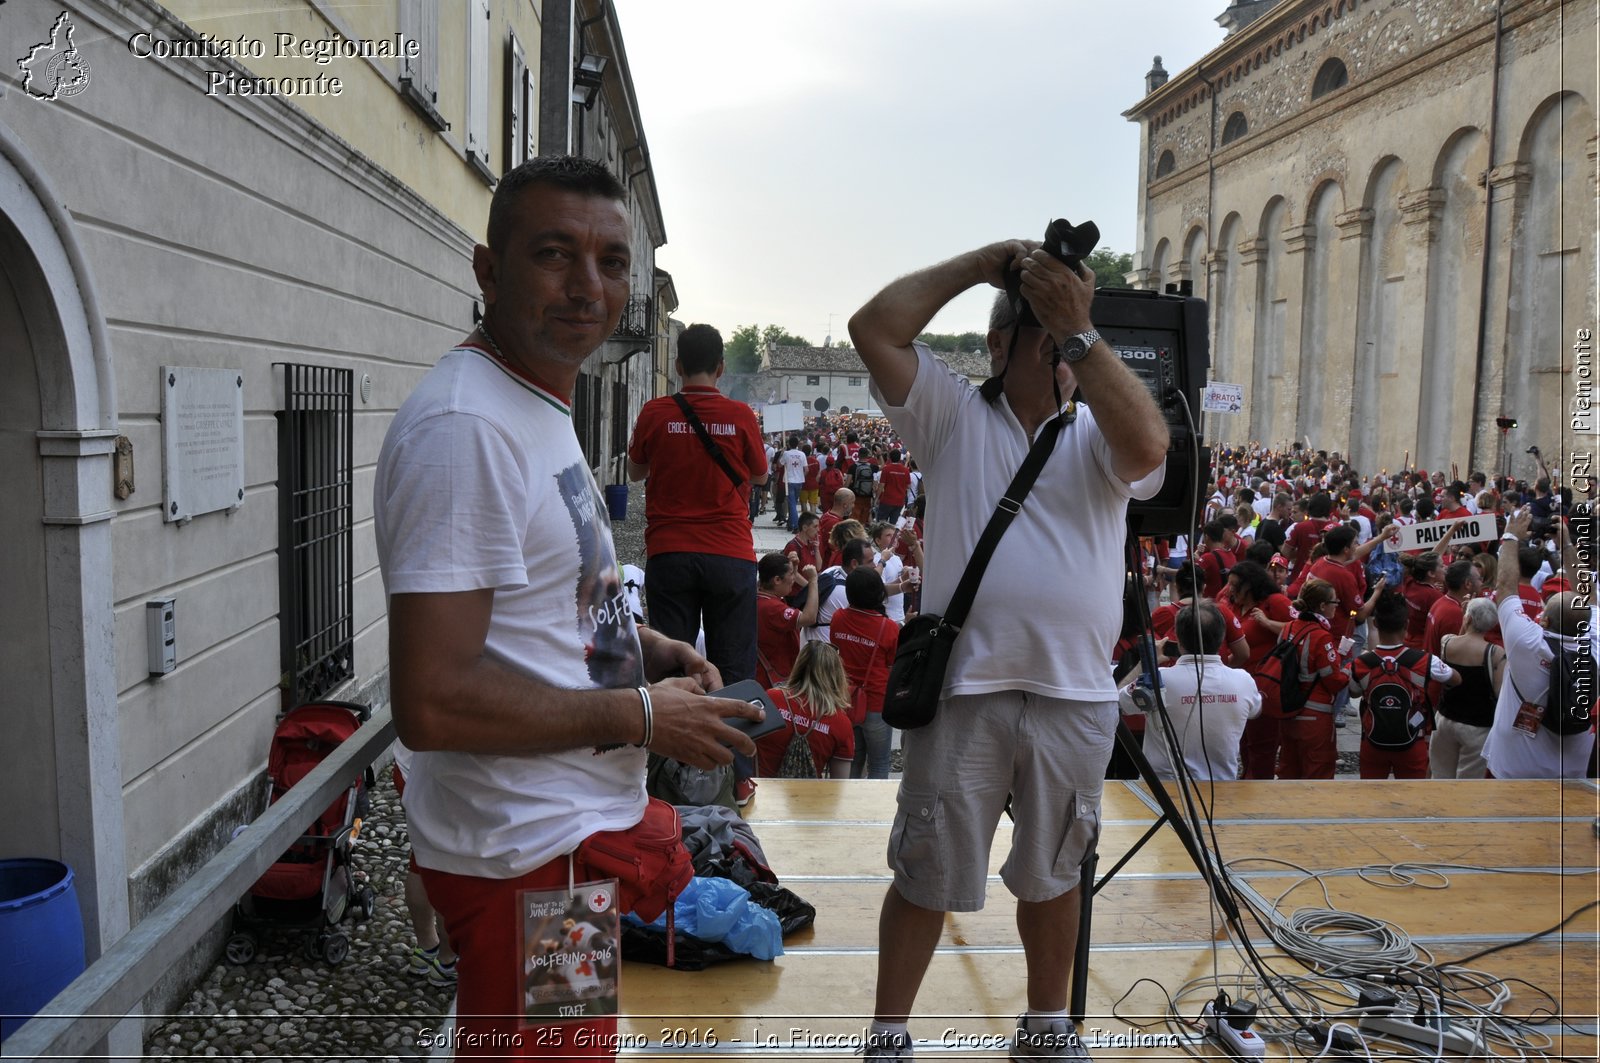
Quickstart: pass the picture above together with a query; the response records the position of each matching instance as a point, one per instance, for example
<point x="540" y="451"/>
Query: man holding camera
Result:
<point x="1028" y="706"/>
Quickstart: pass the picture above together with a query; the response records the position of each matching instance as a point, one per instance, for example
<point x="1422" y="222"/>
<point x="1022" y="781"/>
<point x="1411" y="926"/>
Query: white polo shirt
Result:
<point x="1049" y="608"/>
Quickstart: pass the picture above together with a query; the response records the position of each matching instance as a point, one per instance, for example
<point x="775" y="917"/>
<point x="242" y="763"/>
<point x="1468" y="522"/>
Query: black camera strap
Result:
<point x="1010" y="504"/>
<point x="710" y="444"/>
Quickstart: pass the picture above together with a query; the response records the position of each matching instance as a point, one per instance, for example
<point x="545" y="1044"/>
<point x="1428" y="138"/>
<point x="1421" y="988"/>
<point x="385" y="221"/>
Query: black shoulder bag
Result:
<point x="917" y="675"/>
<point x="710" y="444"/>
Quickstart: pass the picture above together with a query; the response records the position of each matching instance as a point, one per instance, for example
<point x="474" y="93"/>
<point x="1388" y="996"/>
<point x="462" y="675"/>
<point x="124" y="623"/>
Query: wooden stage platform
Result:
<point x="827" y="842"/>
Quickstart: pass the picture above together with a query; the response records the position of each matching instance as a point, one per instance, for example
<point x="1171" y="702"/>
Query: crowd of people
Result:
<point x="1298" y="550"/>
<point x="537" y="708"/>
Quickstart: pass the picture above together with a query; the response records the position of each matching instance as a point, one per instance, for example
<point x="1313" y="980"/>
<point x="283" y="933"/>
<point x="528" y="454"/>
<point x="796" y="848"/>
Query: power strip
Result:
<point x="1450" y="1040"/>
<point x="1243" y="1044"/>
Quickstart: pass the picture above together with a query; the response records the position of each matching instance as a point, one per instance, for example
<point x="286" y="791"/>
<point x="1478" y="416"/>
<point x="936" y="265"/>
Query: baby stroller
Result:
<point x="312" y="886"/>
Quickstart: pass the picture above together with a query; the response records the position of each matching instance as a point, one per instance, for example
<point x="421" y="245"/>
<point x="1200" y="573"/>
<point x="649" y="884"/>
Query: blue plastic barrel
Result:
<point x="617" y="502"/>
<point x="41" y="937"/>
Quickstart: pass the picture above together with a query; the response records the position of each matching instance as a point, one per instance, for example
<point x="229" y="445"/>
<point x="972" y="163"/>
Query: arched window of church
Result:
<point x="1166" y="164"/>
<point x="1235" y="127"/>
<point x="1331" y="76"/>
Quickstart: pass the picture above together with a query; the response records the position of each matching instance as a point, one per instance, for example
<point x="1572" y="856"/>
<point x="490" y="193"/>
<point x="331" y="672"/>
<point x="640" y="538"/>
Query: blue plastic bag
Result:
<point x="716" y="909"/>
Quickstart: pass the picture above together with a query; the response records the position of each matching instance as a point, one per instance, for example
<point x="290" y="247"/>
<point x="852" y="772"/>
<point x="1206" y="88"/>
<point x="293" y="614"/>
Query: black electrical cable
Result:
<point x="1520" y="941"/>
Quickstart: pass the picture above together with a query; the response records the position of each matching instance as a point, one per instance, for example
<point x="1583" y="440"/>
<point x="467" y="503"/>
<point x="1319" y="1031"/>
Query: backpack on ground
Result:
<point x="1569" y="702"/>
<point x="1284" y="690"/>
<point x="1391" y="708"/>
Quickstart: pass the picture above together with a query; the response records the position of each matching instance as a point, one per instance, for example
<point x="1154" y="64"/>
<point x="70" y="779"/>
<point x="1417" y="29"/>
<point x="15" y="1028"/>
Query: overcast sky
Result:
<point x="808" y="152"/>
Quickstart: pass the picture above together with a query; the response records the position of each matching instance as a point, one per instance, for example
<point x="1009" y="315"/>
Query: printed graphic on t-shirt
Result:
<point x="605" y="623"/>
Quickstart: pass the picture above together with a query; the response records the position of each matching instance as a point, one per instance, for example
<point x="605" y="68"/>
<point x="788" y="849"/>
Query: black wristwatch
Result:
<point x="1076" y="348"/>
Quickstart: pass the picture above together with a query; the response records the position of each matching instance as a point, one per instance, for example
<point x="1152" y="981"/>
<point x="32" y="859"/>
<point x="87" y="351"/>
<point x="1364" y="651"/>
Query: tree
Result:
<point x="742" y="351"/>
<point x="777" y="335"/>
<point x="1110" y="268"/>
<point x="951" y="342"/>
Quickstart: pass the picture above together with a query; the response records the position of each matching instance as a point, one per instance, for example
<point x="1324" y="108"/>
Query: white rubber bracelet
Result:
<point x="1509" y="538"/>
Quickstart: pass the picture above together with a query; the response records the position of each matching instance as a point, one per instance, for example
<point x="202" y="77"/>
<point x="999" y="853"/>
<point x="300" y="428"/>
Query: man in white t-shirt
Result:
<point x="1519" y="745"/>
<point x="1028" y="707"/>
<point x="793" y="460"/>
<point x="1208" y="728"/>
<point x="517" y="672"/>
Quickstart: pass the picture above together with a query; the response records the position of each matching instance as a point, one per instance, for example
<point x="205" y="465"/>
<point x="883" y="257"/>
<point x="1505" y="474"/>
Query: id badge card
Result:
<point x="571" y="951"/>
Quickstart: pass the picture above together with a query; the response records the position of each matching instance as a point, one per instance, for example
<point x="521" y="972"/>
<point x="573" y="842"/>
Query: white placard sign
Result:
<point x="1423" y="536"/>
<point x="202" y="441"/>
<point x="1222" y="398"/>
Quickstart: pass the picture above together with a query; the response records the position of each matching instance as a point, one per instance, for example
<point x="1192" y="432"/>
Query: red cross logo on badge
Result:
<point x="599" y="900"/>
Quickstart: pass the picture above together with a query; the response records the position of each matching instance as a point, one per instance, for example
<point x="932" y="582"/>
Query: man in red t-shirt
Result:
<point x="803" y="548"/>
<point x="1304" y="536"/>
<point x="1214" y="561"/>
<point x="1461" y="584"/>
<point x="843" y="501"/>
<point x="700" y="570"/>
<point x="893" y="480"/>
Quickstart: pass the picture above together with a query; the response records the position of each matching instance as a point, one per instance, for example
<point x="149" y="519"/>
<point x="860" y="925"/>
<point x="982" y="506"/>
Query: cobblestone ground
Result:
<point x="285" y="1005"/>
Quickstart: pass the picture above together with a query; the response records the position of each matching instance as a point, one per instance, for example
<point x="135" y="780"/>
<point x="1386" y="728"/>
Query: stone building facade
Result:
<point x="1390" y="208"/>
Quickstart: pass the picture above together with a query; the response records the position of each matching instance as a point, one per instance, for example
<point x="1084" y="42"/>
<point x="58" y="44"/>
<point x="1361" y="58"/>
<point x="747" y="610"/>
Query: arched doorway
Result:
<point x="60" y="765"/>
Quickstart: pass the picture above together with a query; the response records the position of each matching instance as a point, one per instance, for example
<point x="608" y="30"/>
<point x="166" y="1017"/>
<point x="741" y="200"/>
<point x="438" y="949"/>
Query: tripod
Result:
<point x="1170" y="814"/>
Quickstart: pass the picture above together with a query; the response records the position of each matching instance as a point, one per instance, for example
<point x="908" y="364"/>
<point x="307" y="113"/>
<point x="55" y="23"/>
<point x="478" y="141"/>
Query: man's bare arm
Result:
<point x="638" y="470"/>
<point x="447" y="695"/>
<point x="1127" y="414"/>
<point x="884" y="328"/>
<point x="1507" y="573"/>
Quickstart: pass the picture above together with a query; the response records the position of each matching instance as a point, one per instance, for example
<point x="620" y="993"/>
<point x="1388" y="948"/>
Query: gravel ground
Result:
<point x="284" y="1005"/>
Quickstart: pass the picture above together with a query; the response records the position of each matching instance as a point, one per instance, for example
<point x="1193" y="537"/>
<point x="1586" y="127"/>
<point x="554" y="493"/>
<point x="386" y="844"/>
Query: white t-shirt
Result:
<point x="794" y="467"/>
<point x="1208" y="732"/>
<point x="1513" y="753"/>
<point x="481" y="484"/>
<point x="894" y="606"/>
<point x="836" y="599"/>
<point x="1049" y="608"/>
<point x="913" y="488"/>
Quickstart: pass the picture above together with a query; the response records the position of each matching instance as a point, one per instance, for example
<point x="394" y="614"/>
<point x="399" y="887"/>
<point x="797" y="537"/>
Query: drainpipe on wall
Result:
<point x="1488" y="217"/>
<point x="1211" y="236"/>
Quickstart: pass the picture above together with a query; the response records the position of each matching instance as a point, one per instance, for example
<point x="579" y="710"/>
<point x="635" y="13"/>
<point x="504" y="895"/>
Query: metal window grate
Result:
<point x="315" y="441"/>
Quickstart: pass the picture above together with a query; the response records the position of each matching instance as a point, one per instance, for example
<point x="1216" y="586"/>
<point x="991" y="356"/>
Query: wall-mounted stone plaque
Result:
<point x="202" y="441"/>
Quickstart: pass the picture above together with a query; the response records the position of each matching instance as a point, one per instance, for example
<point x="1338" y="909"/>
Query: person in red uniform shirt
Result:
<point x="1421" y="587"/>
<point x="811" y="487"/>
<point x="778" y="623"/>
<point x="1305" y="535"/>
<point x="1529" y="558"/>
<point x="1390" y="616"/>
<point x="1163" y="621"/>
<point x="893" y="481"/>
<point x="1265" y="611"/>
<point x="844" y="502"/>
<point x="1308" y="750"/>
<point x="700" y="571"/>
<point x="867" y="640"/>
<point x="829" y="480"/>
<point x="804" y="548"/>
<point x="1214" y="560"/>
<point x="1461" y="585"/>
<point x="815" y="702"/>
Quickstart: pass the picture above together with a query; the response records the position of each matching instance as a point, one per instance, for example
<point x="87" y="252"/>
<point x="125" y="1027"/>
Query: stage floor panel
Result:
<point x="1153" y="928"/>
